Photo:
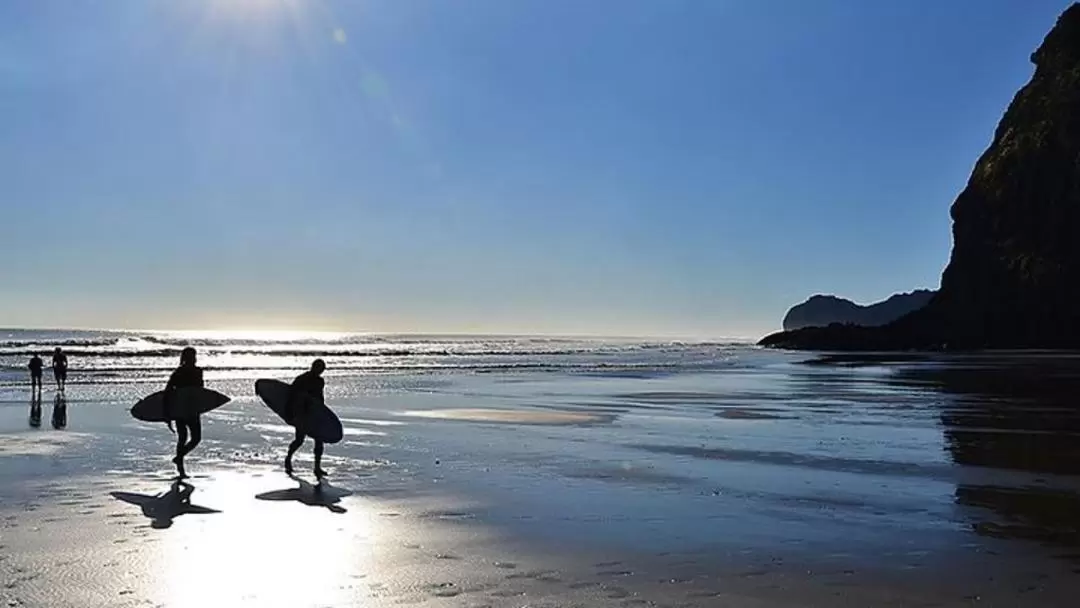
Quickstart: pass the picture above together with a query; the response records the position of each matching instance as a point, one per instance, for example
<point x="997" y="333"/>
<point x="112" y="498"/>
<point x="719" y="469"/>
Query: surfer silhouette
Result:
<point x="60" y="368"/>
<point x="187" y="375"/>
<point x="307" y="387"/>
<point x="36" y="366"/>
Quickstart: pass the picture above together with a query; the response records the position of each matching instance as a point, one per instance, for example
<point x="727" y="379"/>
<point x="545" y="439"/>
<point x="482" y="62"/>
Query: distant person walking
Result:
<point x="307" y="389"/>
<point x="36" y="367"/>
<point x="60" y="368"/>
<point x="187" y="375"/>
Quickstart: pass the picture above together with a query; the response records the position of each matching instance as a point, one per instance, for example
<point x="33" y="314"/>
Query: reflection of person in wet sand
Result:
<point x="35" y="411"/>
<point x="162" y="509"/>
<point x="59" y="413"/>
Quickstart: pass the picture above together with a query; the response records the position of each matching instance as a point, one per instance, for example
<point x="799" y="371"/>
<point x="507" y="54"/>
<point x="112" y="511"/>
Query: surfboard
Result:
<point x="320" y="423"/>
<point x="188" y="401"/>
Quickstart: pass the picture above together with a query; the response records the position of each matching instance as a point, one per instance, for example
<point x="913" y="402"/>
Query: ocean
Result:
<point x="102" y="359"/>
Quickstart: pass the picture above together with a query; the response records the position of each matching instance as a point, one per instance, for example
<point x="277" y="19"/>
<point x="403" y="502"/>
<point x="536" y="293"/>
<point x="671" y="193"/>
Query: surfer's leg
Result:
<point x="181" y="441"/>
<point x="196" y="434"/>
<point x="295" y="445"/>
<point x="319" y="472"/>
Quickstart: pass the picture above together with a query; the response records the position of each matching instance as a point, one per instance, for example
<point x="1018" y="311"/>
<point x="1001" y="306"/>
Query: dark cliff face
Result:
<point x="1014" y="276"/>
<point x="1013" y="280"/>
<point x="820" y="311"/>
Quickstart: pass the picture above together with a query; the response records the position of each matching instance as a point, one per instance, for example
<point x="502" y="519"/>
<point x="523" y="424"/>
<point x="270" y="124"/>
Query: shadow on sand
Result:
<point x="321" y="495"/>
<point x="162" y="509"/>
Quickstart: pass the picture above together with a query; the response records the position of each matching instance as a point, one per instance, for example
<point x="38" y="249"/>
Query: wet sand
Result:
<point x="855" y="482"/>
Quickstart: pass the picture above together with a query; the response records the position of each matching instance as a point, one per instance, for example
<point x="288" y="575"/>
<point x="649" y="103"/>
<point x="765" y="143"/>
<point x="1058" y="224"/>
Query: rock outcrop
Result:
<point x="1013" y="280"/>
<point x="821" y="311"/>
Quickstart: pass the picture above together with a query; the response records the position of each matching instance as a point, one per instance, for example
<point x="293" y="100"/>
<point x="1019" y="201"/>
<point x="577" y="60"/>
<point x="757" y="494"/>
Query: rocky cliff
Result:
<point x="1013" y="280"/>
<point x="820" y="310"/>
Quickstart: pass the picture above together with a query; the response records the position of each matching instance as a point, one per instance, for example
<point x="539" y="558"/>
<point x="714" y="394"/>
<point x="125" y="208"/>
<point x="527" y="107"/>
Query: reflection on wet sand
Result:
<point x="1046" y="516"/>
<point x="514" y="416"/>
<point x="59" y="413"/>
<point x="1015" y="412"/>
<point x="35" y="411"/>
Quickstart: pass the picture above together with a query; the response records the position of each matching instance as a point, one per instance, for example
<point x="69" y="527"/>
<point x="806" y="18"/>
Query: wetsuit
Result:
<point x="183" y="377"/>
<point x="311" y="385"/>
<point x="36" y="366"/>
<point x="60" y="367"/>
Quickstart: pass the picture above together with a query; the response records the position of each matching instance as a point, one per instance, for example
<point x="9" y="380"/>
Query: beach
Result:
<point x="541" y="472"/>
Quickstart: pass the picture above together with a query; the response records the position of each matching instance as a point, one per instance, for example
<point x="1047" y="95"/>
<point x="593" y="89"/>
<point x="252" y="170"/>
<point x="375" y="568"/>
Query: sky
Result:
<point x="629" y="167"/>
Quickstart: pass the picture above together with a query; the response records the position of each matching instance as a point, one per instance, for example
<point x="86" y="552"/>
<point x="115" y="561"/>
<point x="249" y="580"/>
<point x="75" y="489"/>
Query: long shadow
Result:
<point x="321" y="495"/>
<point x="163" y="508"/>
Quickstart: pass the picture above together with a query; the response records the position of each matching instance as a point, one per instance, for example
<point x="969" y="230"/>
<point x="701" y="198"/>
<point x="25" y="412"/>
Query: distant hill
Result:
<point x="822" y="311"/>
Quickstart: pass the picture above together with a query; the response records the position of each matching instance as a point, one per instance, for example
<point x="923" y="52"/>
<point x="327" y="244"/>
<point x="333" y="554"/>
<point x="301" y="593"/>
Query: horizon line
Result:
<point x="272" y="332"/>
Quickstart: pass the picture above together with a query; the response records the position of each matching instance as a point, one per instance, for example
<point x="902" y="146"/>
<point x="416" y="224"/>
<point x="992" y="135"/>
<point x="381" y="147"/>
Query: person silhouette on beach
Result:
<point x="36" y="366"/>
<point x="60" y="368"/>
<point x="187" y="375"/>
<point x="306" y="389"/>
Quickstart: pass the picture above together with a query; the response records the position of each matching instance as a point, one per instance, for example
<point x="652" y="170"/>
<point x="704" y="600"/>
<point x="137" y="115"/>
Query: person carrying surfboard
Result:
<point x="307" y="387"/>
<point x="187" y="375"/>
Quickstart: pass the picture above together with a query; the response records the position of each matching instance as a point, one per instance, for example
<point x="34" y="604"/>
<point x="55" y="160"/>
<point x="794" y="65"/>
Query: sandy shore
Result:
<point x="494" y="497"/>
<point x="254" y="537"/>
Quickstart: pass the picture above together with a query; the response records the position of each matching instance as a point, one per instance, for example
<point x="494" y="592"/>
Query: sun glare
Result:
<point x="267" y="335"/>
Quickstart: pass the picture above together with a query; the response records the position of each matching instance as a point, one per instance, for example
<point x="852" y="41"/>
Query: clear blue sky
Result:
<point x="612" y="166"/>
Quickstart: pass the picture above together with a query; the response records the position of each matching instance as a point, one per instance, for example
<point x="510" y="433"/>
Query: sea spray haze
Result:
<point x="100" y="358"/>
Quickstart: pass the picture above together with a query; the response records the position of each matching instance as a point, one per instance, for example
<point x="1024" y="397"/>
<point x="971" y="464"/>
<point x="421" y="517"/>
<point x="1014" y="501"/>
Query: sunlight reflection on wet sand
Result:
<point x="512" y="416"/>
<point x="278" y="552"/>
